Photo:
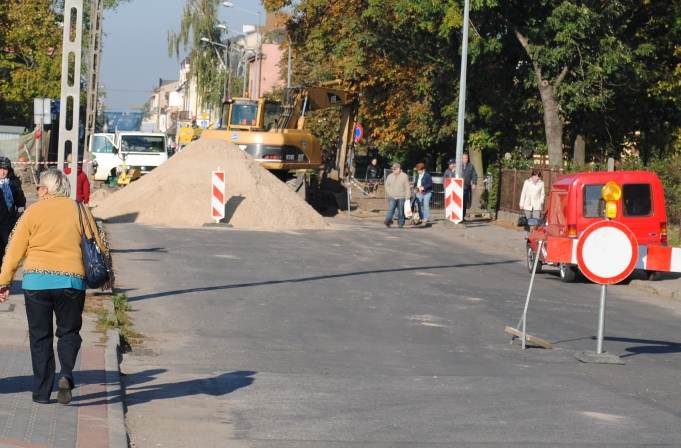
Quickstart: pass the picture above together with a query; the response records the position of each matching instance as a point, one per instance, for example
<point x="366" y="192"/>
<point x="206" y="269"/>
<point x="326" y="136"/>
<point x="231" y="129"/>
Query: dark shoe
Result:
<point x="387" y="223"/>
<point x="64" y="395"/>
<point x="41" y="400"/>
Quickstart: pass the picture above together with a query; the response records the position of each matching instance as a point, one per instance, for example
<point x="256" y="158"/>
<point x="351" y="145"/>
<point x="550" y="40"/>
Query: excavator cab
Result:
<point x="247" y="114"/>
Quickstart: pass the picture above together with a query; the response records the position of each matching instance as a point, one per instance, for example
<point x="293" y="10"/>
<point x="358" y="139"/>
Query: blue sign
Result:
<point x="359" y="132"/>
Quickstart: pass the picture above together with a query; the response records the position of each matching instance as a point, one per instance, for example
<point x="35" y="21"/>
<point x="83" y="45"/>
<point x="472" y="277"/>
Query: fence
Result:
<point x="511" y="186"/>
<point x="437" y="200"/>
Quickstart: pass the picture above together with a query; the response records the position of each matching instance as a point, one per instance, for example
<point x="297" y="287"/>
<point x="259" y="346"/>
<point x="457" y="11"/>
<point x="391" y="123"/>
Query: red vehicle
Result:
<point x="575" y="202"/>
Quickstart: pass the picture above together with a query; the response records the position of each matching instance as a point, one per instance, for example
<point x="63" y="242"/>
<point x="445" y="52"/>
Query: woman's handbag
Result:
<point x="522" y="221"/>
<point x="96" y="270"/>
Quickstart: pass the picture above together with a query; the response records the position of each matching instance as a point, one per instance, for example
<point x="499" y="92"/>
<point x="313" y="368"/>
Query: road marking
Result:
<point x="610" y="418"/>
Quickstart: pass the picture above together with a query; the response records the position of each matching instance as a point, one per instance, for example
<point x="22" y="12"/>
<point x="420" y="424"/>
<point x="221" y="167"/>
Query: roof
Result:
<point x="602" y="177"/>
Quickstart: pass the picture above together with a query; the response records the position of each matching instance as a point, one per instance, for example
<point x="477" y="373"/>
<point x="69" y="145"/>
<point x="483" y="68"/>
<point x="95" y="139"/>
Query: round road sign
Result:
<point x="359" y="132"/>
<point x="607" y="252"/>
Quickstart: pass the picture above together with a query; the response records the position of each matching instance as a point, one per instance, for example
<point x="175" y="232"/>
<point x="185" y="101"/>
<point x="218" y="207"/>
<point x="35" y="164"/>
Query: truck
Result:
<point x="141" y="151"/>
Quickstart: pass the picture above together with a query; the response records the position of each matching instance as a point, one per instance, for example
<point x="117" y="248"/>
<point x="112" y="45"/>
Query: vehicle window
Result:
<point x="142" y="143"/>
<point x="272" y="113"/>
<point x="557" y="208"/>
<point x="244" y="114"/>
<point x="637" y="199"/>
<point x="101" y="145"/>
<point x="593" y="201"/>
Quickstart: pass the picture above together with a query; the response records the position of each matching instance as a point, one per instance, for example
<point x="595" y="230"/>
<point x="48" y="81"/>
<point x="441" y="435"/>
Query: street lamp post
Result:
<point x="227" y="87"/>
<point x="462" y="90"/>
<point x="258" y="55"/>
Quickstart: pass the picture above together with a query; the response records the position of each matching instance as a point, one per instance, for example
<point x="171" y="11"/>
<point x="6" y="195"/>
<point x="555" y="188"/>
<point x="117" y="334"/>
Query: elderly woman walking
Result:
<point x="47" y="237"/>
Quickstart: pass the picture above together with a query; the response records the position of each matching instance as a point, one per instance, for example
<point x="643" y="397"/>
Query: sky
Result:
<point x="135" y="46"/>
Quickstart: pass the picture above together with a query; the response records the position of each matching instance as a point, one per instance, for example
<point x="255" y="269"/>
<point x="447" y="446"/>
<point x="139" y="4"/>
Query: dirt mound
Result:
<point x="178" y="193"/>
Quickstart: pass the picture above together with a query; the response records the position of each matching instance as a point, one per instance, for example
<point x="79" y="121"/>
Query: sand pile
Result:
<point x="178" y="193"/>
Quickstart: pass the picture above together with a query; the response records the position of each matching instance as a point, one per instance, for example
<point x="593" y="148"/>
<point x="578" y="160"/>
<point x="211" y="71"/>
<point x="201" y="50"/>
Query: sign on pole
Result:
<point x="454" y="199"/>
<point x="607" y="252"/>
<point x="359" y="132"/>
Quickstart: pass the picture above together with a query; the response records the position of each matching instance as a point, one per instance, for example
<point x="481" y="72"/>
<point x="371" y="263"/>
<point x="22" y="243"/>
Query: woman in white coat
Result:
<point x="532" y="196"/>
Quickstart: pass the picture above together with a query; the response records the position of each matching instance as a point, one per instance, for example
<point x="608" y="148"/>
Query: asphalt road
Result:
<point x="375" y="337"/>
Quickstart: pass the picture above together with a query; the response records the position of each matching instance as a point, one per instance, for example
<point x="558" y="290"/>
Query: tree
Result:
<point x="199" y="20"/>
<point x="30" y="57"/>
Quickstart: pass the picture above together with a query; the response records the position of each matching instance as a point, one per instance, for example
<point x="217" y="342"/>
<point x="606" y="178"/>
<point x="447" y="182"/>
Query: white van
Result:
<point x="143" y="150"/>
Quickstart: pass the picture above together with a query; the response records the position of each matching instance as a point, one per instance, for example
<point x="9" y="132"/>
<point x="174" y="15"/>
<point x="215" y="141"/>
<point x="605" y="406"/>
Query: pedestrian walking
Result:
<point x="470" y="179"/>
<point x="12" y="200"/>
<point x="423" y="185"/>
<point x="48" y="239"/>
<point x="397" y="189"/>
<point x="372" y="176"/>
<point x="532" y="195"/>
<point x="450" y="172"/>
<point x="82" y="182"/>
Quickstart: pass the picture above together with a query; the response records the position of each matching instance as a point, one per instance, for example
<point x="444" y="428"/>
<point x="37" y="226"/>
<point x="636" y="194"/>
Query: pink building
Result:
<point x="270" y="78"/>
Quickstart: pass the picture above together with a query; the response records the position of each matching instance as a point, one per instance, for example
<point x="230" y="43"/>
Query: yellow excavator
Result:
<point x="274" y="133"/>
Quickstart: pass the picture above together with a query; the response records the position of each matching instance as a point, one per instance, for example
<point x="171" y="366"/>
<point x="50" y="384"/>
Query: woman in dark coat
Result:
<point x="11" y="200"/>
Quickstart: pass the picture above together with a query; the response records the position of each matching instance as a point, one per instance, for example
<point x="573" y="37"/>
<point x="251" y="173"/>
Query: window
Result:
<point x="244" y="113"/>
<point x="637" y="201"/>
<point x="272" y="114"/>
<point x="142" y="143"/>
<point x="557" y="209"/>
<point x="593" y="201"/>
<point x="101" y="145"/>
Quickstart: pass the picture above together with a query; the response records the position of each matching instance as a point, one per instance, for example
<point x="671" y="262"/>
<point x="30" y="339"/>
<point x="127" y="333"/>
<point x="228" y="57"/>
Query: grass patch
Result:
<point x="118" y="319"/>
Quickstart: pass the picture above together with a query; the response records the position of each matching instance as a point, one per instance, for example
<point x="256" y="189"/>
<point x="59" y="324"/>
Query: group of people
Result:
<point x="45" y="239"/>
<point x="398" y="189"/>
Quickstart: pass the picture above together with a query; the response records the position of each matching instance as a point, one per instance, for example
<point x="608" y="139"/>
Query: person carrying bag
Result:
<point x="48" y="237"/>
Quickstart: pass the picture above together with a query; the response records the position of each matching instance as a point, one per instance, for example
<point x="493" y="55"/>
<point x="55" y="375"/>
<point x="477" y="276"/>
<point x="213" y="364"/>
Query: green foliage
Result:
<point x="30" y="57"/>
<point x="199" y="20"/>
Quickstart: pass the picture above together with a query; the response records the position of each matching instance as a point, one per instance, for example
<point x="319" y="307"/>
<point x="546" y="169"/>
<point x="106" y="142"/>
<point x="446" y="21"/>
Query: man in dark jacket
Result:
<point x="11" y="200"/>
<point x="423" y="185"/>
<point x="470" y="179"/>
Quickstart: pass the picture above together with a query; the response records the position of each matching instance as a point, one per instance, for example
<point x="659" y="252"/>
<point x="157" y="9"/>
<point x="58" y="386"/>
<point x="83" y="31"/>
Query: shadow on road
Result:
<point x="140" y="250"/>
<point x="651" y="347"/>
<point x="311" y="279"/>
<point x="136" y="392"/>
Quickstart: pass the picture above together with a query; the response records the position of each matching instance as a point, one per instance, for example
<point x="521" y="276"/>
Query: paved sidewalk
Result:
<point x="83" y="423"/>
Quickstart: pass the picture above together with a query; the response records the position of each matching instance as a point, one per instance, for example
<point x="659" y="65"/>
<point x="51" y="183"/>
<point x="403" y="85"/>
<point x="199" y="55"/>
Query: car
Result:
<point x="575" y="202"/>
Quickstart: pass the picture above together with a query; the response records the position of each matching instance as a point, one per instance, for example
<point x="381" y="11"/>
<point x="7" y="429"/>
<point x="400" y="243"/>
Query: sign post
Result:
<point x="607" y="253"/>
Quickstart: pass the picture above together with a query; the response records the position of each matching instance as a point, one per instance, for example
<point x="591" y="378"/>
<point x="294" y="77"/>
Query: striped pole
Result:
<point x="218" y="196"/>
<point x="454" y="200"/>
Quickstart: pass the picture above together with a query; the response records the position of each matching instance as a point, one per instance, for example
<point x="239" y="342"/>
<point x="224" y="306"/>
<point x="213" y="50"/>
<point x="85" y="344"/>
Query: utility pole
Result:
<point x="462" y="89"/>
<point x="94" y="57"/>
<point x="259" y="55"/>
<point x="70" y="89"/>
<point x="288" y="75"/>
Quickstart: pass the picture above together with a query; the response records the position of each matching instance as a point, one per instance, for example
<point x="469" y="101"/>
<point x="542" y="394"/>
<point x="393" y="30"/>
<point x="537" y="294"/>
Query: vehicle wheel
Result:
<point x="653" y="276"/>
<point x="530" y="261"/>
<point x="568" y="274"/>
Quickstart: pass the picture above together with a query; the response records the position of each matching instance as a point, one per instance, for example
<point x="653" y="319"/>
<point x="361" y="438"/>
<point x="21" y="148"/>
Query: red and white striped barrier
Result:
<point x="650" y="258"/>
<point x="454" y="199"/>
<point x="29" y="162"/>
<point x="218" y="195"/>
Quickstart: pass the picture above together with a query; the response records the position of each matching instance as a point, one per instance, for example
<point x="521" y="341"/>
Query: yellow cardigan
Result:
<point x="47" y="237"/>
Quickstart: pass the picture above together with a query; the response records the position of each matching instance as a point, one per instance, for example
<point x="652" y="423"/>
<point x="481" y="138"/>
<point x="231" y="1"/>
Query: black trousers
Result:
<point x="467" y="199"/>
<point x="67" y="305"/>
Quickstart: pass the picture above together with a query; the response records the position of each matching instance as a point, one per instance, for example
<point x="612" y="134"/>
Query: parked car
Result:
<point x="575" y="202"/>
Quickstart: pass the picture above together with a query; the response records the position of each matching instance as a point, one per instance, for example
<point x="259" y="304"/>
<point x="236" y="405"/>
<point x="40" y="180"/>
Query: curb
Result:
<point x="118" y="435"/>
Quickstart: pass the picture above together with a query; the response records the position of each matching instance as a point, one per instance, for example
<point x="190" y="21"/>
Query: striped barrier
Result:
<point x="454" y="199"/>
<point x="218" y="195"/>
<point x="650" y="258"/>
